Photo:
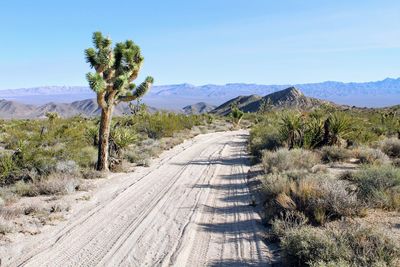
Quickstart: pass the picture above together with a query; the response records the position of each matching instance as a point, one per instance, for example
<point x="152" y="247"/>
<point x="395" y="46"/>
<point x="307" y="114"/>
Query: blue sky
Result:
<point x="208" y="41"/>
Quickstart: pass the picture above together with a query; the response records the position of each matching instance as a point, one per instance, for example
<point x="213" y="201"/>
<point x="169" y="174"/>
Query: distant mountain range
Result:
<point x="369" y="94"/>
<point x="88" y="108"/>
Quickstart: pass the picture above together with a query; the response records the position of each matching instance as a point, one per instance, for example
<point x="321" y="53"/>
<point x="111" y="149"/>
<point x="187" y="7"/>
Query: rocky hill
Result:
<point x="198" y="108"/>
<point x="288" y="98"/>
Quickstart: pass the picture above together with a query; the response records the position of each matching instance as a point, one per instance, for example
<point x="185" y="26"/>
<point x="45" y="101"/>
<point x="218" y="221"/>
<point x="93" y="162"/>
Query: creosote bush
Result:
<point x="284" y="159"/>
<point x="319" y="197"/>
<point x="391" y="147"/>
<point x="334" y="154"/>
<point x="377" y="186"/>
<point x="373" y="156"/>
<point x="348" y="245"/>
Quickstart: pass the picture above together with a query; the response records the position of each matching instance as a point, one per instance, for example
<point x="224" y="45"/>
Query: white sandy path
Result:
<point x="190" y="208"/>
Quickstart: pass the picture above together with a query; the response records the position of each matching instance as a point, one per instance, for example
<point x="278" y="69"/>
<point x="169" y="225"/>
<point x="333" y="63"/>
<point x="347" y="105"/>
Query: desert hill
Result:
<point x="288" y="98"/>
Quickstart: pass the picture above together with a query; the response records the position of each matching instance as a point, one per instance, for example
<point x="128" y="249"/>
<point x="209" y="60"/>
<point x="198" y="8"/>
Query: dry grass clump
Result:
<point x="25" y="189"/>
<point x="348" y="245"/>
<point x="54" y="184"/>
<point x="320" y="197"/>
<point x="391" y="147"/>
<point x="284" y="159"/>
<point x="377" y="186"/>
<point x="57" y="184"/>
<point x="93" y="174"/>
<point x="368" y="155"/>
<point x="6" y="226"/>
<point x="334" y="154"/>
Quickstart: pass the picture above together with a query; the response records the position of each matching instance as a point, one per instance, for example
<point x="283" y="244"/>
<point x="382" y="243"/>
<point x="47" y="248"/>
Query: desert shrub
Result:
<point x="377" y="186"/>
<point x="164" y="124"/>
<point x="320" y="197"/>
<point x="264" y="136"/>
<point x="284" y="159"/>
<point x="348" y="246"/>
<point x="323" y="199"/>
<point x="369" y="247"/>
<point x="86" y="157"/>
<point x="7" y="167"/>
<point x="57" y="184"/>
<point x="304" y="245"/>
<point x="391" y="147"/>
<point x="5" y="226"/>
<point x="334" y="154"/>
<point x="286" y="221"/>
<point x="93" y="174"/>
<point x="368" y="155"/>
<point x="268" y="141"/>
<point x="25" y="189"/>
<point x="68" y="166"/>
<point x="396" y="162"/>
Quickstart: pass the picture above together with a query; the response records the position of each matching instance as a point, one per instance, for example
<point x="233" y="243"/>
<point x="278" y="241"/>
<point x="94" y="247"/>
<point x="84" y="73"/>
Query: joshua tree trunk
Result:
<point x="104" y="137"/>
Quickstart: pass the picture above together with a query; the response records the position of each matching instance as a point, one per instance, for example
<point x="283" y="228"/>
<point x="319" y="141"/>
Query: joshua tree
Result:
<point x="115" y="69"/>
<point x="236" y="115"/>
<point x="52" y="116"/>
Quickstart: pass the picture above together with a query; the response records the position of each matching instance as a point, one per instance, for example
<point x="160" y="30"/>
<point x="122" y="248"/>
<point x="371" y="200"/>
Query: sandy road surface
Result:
<point x="190" y="208"/>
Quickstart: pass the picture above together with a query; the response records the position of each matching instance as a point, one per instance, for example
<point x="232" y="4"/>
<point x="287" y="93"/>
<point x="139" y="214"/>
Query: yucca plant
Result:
<point x="314" y="132"/>
<point x="115" y="69"/>
<point x="122" y="138"/>
<point x="291" y="130"/>
<point x="336" y="127"/>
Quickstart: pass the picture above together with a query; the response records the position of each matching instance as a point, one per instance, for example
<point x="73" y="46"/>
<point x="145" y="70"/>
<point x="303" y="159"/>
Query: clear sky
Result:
<point x="207" y="41"/>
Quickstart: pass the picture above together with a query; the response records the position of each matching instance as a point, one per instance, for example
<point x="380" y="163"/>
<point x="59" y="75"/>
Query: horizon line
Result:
<point x="215" y="84"/>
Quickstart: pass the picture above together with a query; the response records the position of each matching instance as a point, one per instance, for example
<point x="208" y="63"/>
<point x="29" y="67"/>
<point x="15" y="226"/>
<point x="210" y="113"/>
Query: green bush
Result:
<point x="320" y="197"/>
<point x="7" y="167"/>
<point x="391" y="147"/>
<point x="305" y="245"/>
<point x="57" y="184"/>
<point x="348" y="246"/>
<point x="334" y="154"/>
<point x="264" y="136"/>
<point x="26" y="189"/>
<point x="368" y="155"/>
<point x="284" y="159"/>
<point x="377" y="186"/>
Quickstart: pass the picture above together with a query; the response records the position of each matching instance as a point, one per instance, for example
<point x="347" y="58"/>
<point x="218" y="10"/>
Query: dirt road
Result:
<point x="190" y="208"/>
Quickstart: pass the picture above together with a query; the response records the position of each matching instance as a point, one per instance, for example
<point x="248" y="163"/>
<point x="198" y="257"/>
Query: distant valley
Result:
<point x="174" y="97"/>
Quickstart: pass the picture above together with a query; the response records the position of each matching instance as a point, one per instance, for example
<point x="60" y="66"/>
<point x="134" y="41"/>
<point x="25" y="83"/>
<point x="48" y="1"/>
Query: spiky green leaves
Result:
<point x="100" y="58"/>
<point x="143" y="87"/>
<point x="96" y="82"/>
<point x="91" y="57"/>
<point x="100" y="42"/>
<point x="137" y="92"/>
<point x="116" y="68"/>
<point x="128" y="58"/>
